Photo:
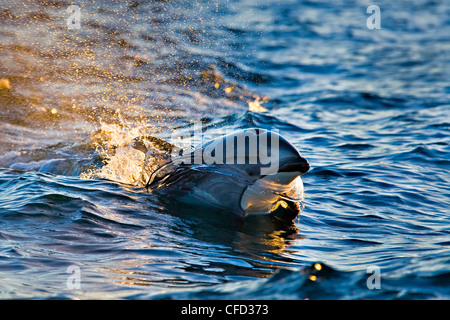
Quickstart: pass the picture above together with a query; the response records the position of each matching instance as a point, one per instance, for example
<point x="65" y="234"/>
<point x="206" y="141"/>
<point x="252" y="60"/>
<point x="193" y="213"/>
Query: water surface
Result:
<point x="368" y="108"/>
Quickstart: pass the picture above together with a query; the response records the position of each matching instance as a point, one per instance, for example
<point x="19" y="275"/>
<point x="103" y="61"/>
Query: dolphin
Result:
<point x="248" y="172"/>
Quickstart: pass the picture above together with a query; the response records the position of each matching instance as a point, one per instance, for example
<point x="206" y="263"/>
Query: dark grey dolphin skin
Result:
<point x="249" y="172"/>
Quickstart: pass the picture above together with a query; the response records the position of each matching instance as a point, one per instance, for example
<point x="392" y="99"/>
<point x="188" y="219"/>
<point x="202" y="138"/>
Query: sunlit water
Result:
<point x="368" y="108"/>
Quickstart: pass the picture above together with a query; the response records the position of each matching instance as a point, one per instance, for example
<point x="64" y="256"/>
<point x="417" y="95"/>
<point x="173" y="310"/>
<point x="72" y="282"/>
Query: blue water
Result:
<point x="369" y="109"/>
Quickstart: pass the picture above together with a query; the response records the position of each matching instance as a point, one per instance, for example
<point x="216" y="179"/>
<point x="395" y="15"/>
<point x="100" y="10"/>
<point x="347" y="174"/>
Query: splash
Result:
<point x="256" y="106"/>
<point x="114" y="145"/>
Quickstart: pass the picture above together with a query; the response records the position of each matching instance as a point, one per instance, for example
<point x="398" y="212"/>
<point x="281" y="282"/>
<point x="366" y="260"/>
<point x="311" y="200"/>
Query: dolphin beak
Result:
<point x="298" y="165"/>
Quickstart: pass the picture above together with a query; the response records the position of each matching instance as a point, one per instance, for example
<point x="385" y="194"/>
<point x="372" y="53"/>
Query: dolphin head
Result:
<point x="261" y="152"/>
<point x="278" y="188"/>
<point x="250" y="171"/>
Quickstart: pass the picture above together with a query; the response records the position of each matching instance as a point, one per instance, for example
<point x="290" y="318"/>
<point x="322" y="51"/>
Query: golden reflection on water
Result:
<point x="178" y="266"/>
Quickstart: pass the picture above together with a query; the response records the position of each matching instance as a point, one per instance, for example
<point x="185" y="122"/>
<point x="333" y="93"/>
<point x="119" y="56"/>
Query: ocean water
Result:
<point x="369" y="109"/>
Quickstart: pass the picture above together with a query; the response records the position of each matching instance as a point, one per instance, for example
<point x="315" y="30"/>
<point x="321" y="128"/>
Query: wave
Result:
<point x="316" y="281"/>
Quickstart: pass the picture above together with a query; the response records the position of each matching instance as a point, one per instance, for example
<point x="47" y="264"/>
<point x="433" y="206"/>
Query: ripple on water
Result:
<point x="370" y="115"/>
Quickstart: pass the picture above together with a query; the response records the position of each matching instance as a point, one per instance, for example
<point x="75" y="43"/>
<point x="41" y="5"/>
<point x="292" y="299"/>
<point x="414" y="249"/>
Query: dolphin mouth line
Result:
<point x="296" y="167"/>
<point x="286" y="197"/>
